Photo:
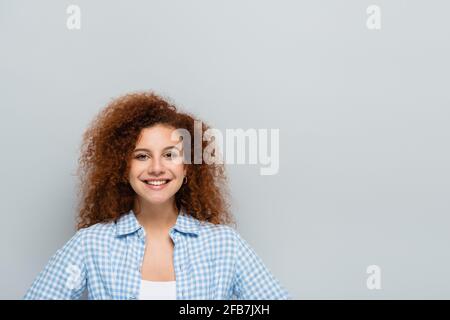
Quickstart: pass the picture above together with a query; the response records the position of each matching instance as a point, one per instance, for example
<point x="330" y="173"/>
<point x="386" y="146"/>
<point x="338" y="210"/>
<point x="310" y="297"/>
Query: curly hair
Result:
<point x="104" y="190"/>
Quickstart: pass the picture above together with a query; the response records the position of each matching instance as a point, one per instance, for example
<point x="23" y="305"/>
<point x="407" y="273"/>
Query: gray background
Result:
<point x="363" y="118"/>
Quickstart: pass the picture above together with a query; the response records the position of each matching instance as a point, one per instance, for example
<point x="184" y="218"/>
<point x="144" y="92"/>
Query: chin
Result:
<point x="156" y="200"/>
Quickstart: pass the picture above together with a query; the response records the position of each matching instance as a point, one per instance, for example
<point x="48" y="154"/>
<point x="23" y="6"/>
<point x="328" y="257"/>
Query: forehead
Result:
<point x="158" y="136"/>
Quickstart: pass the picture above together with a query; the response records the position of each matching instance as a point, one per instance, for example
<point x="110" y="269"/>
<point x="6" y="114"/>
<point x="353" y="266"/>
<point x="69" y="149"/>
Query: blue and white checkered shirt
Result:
<point x="210" y="261"/>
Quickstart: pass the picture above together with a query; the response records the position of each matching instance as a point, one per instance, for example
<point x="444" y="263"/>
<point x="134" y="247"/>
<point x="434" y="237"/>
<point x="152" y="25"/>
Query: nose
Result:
<point x="156" y="167"/>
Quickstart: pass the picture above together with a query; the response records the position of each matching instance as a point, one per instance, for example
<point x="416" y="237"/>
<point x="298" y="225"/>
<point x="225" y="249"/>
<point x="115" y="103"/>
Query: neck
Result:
<point x="156" y="217"/>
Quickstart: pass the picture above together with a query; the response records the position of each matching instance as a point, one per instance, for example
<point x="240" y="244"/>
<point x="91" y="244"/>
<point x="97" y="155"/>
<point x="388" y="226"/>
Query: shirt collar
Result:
<point x="128" y="223"/>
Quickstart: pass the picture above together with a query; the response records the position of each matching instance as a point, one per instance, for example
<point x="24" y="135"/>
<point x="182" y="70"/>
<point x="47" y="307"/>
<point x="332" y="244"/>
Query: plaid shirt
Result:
<point x="210" y="261"/>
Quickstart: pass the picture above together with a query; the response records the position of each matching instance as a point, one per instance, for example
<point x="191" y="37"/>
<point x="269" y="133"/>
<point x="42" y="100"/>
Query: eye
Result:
<point x="139" y="156"/>
<point x="171" y="154"/>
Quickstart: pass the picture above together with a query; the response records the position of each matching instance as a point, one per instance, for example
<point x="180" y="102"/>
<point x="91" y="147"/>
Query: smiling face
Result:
<point x="156" y="168"/>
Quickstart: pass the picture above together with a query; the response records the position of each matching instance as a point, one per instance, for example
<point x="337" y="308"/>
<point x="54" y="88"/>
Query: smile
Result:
<point x="156" y="184"/>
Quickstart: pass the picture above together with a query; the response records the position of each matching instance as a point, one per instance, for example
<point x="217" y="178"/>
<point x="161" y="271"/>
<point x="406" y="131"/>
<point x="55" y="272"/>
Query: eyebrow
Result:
<point x="147" y="150"/>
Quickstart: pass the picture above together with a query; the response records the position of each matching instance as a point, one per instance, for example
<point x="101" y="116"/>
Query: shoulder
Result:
<point x="97" y="233"/>
<point x="216" y="231"/>
<point x="98" y="229"/>
<point x="220" y="236"/>
<point x="227" y="237"/>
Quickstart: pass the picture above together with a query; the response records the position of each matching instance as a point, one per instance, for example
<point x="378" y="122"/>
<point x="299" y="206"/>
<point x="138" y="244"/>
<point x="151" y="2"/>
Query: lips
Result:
<point x="156" y="184"/>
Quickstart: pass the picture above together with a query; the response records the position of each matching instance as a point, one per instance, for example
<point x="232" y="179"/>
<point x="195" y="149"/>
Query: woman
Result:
<point x="152" y="225"/>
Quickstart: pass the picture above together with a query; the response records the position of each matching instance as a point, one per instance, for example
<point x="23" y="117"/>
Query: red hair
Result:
<point x="104" y="191"/>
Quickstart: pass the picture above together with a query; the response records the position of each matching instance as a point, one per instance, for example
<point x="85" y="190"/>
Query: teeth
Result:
<point x="156" y="183"/>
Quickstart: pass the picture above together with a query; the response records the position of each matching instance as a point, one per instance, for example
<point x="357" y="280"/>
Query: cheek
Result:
<point x="132" y="176"/>
<point x="177" y="170"/>
<point x="136" y="169"/>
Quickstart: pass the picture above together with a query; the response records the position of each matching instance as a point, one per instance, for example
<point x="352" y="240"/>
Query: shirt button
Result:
<point x="132" y="298"/>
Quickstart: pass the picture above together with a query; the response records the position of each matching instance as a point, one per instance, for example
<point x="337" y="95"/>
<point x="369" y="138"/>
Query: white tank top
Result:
<point x="158" y="290"/>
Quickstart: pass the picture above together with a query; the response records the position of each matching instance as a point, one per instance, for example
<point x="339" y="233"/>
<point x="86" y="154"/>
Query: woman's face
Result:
<point x="156" y="168"/>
